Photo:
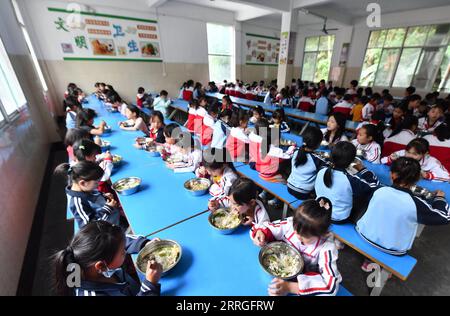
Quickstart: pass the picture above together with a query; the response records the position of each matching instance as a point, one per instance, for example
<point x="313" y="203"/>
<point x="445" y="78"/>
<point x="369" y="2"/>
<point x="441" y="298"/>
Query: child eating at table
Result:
<point x="419" y="149"/>
<point x="189" y="156"/>
<point x="72" y="136"/>
<point x="99" y="249"/>
<point x="341" y="187"/>
<point x="242" y="200"/>
<point x="156" y="130"/>
<point x="305" y="165"/>
<point x="279" y="121"/>
<point x="136" y="120"/>
<point x="208" y="124"/>
<point x="257" y="113"/>
<point x="83" y="200"/>
<point x="141" y="97"/>
<point x="85" y="120"/>
<point x="221" y="130"/>
<point x="192" y="113"/>
<point x="335" y="130"/>
<point x="72" y="109"/>
<point x="366" y="143"/>
<point x="434" y="117"/>
<point x="308" y="232"/>
<point x="394" y="232"/>
<point x="237" y="141"/>
<point x="221" y="173"/>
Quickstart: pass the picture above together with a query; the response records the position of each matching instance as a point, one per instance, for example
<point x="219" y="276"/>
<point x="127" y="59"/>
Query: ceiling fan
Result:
<point x="324" y="28"/>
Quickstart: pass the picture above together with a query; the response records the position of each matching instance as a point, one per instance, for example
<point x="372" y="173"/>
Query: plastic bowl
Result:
<point x="205" y="182"/>
<point x="117" y="160"/>
<point x="105" y="145"/>
<point x="128" y="191"/>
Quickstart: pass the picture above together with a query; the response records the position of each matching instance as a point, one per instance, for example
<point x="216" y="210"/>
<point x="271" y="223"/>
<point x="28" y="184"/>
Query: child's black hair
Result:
<point x="141" y="90"/>
<point x="364" y="99"/>
<point x="340" y="120"/>
<point x="96" y="241"/>
<point x="262" y="129"/>
<point x="72" y="103"/>
<point x="410" y="90"/>
<point x="278" y="114"/>
<point x="134" y="109"/>
<point x="420" y="145"/>
<point x="373" y="131"/>
<point x="75" y="134"/>
<point x="84" y="116"/>
<point x="243" y="190"/>
<point x="237" y="117"/>
<point x="215" y="158"/>
<point x="407" y="171"/>
<point x="194" y="104"/>
<point x="83" y="170"/>
<point x="159" y="115"/>
<point x="260" y="110"/>
<point x="342" y="156"/>
<point x="354" y="83"/>
<point x="213" y="109"/>
<point x="313" y="218"/>
<point x="348" y="97"/>
<point x="408" y="122"/>
<point x="169" y="129"/>
<point x="163" y="93"/>
<point x="225" y="113"/>
<point x="312" y="137"/>
<point x="84" y="148"/>
<point x="442" y="132"/>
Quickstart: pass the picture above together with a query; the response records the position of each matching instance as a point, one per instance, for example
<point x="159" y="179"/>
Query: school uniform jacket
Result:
<point x="71" y="119"/>
<point x="302" y="178"/>
<point x="221" y="188"/>
<point x="283" y="127"/>
<point x="343" y="138"/>
<point x="236" y="142"/>
<point x="433" y="168"/>
<point x="87" y="207"/>
<point x="190" y="163"/>
<point x="157" y="135"/>
<point x="367" y="111"/>
<point x="439" y="150"/>
<point x="207" y="129"/>
<point x="372" y="150"/>
<point x="343" y="107"/>
<point x="200" y="114"/>
<point x="305" y="104"/>
<point x="220" y="132"/>
<point x="320" y="275"/>
<point x="394" y="230"/>
<point x="188" y="93"/>
<point x="344" y="187"/>
<point x="425" y="126"/>
<point x="191" y="119"/>
<point x="397" y="142"/>
<point x="126" y="286"/>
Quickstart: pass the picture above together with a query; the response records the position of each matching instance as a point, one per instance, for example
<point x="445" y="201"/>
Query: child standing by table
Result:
<point x="221" y="130"/>
<point x="335" y="183"/>
<point x="83" y="200"/>
<point x="242" y="199"/>
<point x="367" y="142"/>
<point x="394" y="232"/>
<point x="85" y="120"/>
<point x="99" y="250"/>
<point x="419" y="149"/>
<point x="162" y="103"/>
<point x="305" y="165"/>
<point x="308" y="232"/>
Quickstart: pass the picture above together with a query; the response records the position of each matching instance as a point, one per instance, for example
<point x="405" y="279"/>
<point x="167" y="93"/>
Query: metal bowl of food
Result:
<point x="224" y="221"/>
<point x="197" y="186"/>
<point x="323" y="154"/>
<point x="166" y="252"/>
<point x="422" y="192"/>
<point x="281" y="260"/>
<point x="105" y="145"/>
<point x="117" y="160"/>
<point x="127" y="186"/>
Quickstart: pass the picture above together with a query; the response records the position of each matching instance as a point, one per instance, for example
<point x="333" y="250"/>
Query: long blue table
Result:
<point x="294" y="113"/>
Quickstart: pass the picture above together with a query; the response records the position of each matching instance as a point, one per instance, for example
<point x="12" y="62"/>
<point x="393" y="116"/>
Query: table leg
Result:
<point x="419" y="230"/>
<point x="384" y="276"/>
<point x="172" y="114"/>
<point x="285" y="209"/>
<point x="304" y="128"/>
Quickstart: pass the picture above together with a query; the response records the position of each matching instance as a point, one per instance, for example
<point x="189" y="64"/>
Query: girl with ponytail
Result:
<point x="99" y="250"/>
<point x="307" y="231"/>
<point x="305" y="165"/>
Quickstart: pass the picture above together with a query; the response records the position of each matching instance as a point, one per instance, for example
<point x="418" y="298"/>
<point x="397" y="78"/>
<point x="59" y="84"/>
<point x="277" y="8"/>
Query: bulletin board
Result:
<point x="96" y="36"/>
<point x="261" y="50"/>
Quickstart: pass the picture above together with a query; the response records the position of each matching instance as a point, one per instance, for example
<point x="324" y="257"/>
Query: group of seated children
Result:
<point x="330" y="191"/>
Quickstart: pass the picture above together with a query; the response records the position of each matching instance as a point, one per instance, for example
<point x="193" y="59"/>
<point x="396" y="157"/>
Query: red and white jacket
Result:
<point x="305" y="103"/>
<point x="188" y="93"/>
<point x="372" y="150"/>
<point x="236" y="142"/>
<point x="397" y="142"/>
<point x="207" y="130"/>
<point x="432" y="167"/>
<point x="320" y="275"/>
<point x="269" y="165"/>
<point x="191" y="119"/>
<point x="367" y="111"/>
<point x="343" y="107"/>
<point x="425" y="126"/>
<point x="439" y="150"/>
<point x="200" y="114"/>
<point x="221" y="187"/>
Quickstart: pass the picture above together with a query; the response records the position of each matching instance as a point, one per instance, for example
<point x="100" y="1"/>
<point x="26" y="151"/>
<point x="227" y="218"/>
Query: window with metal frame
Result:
<point x="317" y="57"/>
<point x="221" y="58"/>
